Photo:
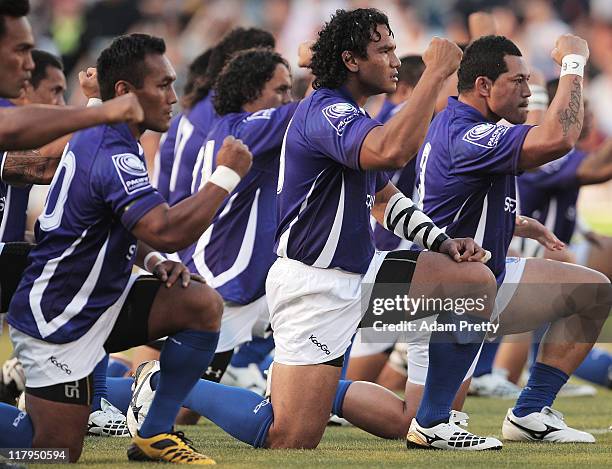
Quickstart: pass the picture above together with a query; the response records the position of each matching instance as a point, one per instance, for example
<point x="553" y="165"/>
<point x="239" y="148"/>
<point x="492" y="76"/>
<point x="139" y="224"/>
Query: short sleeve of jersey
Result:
<point x="264" y="130"/>
<point x="489" y="149"/>
<point x="122" y="182"/>
<point x="338" y="129"/>
<point x="382" y="179"/>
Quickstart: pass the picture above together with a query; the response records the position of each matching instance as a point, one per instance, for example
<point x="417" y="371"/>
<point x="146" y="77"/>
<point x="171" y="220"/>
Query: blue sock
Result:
<point x="343" y="386"/>
<point x="596" y="368"/>
<point x="16" y="429"/>
<point x="252" y="352"/>
<point x="184" y="357"/>
<point x="542" y="388"/>
<point x="449" y="362"/>
<point x="484" y="366"/>
<point x="120" y="393"/>
<point x="100" y="389"/>
<point x="243" y="414"/>
<point x="116" y="368"/>
<point x="535" y="345"/>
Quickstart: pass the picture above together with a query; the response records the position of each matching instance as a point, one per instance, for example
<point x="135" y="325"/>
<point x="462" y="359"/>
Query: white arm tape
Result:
<point x="573" y="64"/>
<point x="226" y="178"/>
<point x="3" y="159"/>
<point x="403" y="218"/>
<point x="158" y="260"/>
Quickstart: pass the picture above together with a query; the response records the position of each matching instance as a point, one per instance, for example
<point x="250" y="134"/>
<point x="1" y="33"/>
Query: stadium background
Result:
<point x="78" y="29"/>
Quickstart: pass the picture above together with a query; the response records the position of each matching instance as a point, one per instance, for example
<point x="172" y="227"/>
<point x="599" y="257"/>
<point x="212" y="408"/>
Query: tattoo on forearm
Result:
<point x="26" y="167"/>
<point x="569" y="115"/>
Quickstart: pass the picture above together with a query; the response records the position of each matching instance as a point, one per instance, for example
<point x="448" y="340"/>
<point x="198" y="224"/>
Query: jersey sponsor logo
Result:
<point x="339" y="115"/>
<point x="61" y="366"/>
<point x="263" y="114"/>
<point x="485" y="135"/>
<point x="2" y="203"/>
<point x="132" y="172"/>
<point x="510" y="205"/>
<point x="370" y="199"/>
<point x="19" y="418"/>
<point x="322" y="346"/>
<point x="71" y="390"/>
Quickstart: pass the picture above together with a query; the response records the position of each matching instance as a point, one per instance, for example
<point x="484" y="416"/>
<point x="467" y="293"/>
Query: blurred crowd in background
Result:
<point x="78" y="29"/>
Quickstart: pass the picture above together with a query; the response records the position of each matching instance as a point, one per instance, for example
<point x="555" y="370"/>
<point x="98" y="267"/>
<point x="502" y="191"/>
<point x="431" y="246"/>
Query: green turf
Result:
<point x="350" y="447"/>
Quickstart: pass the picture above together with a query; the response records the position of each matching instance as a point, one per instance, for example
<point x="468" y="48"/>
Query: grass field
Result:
<point x="351" y="447"/>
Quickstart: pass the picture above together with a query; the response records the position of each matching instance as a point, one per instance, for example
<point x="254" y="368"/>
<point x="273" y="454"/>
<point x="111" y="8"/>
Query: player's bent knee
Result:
<point x="202" y="308"/>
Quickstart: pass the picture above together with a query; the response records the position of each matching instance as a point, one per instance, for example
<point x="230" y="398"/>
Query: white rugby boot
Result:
<point x="546" y="425"/>
<point x="495" y="384"/>
<point x="108" y="421"/>
<point x="142" y="395"/>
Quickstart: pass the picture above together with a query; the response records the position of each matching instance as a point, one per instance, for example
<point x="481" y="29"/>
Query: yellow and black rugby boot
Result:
<point x="168" y="447"/>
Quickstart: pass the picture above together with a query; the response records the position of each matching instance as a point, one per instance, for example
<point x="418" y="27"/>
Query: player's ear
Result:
<point x="123" y="87"/>
<point x="349" y="61"/>
<point x="483" y="86"/>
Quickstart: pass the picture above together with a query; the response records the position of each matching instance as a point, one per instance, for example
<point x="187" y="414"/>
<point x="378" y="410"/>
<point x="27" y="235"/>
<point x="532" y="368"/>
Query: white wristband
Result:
<point x="573" y="64"/>
<point x="226" y="178"/>
<point x="158" y="260"/>
<point x="94" y="102"/>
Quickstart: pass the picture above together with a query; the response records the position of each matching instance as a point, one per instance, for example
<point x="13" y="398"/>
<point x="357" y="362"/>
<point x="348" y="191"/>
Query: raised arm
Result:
<point x="169" y="229"/>
<point x="33" y="126"/>
<point x="397" y="142"/>
<point x="562" y="122"/>
<point x="597" y="166"/>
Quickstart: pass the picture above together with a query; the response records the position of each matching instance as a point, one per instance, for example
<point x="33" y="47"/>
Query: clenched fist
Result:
<point x="124" y="108"/>
<point x="89" y="83"/>
<point x="569" y="44"/>
<point x="443" y="56"/>
<point x="235" y="155"/>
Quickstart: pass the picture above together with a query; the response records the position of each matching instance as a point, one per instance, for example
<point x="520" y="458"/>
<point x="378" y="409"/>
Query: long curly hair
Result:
<point x="346" y="31"/>
<point x="244" y="77"/>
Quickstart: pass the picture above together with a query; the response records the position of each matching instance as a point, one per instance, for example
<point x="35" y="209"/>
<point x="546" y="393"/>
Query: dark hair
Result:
<point x="484" y="58"/>
<point x="346" y="31"/>
<point x="236" y="40"/>
<point x="551" y="88"/>
<point x="244" y="77"/>
<point x="124" y="60"/>
<point x="42" y="60"/>
<point x="411" y="69"/>
<point x="196" y="71"/>
<point x="14" y="9"/>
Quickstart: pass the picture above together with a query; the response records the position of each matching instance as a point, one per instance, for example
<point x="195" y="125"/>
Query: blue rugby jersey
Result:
<point x="403" y="179"/>
<point x="13" y="205"/>
<point x="183" y="149"/>
<point x="85" y="249"/>
<point x="236" y="251"/>
<point x="465" y="176"/>
<point x="550" y="193"/>
<point x="324" y="197"/>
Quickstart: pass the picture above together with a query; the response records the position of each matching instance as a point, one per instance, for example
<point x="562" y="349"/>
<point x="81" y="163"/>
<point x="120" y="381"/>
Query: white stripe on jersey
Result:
<point x="5" y="213"/>
<point x="327" y="254"/>
<point x="482" y="222"/>
<point x="157" y="161"/>
<point x="244" y="255"/>
<point x="78" y="301"/>
<point x="207" y="163"/>
<point x="551" y="216"/>
<point x="281" y="251"/>
<point x="196" y="167"/>
<point x="183" y="133"/>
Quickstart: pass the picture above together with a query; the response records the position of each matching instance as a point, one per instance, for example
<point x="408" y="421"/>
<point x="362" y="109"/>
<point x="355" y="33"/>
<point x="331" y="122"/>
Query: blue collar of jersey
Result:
<point x="465" y="110"/>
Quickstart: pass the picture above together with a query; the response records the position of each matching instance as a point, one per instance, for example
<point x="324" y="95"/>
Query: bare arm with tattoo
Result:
<point x="562" y="123"/>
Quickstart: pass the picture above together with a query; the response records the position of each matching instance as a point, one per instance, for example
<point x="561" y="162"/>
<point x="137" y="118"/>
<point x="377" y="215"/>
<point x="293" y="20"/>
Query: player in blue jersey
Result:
<point x="466" y="179"/>
<point x="328" y="186"/>
<point x="47" y="85"/>
<point x="77" y="298"/>
<point x="184" y="145"/>
<point x="253" y="101"/>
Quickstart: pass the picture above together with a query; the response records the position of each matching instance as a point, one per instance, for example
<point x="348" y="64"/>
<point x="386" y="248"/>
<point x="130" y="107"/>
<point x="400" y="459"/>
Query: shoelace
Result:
<point x="181" y="436"/>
